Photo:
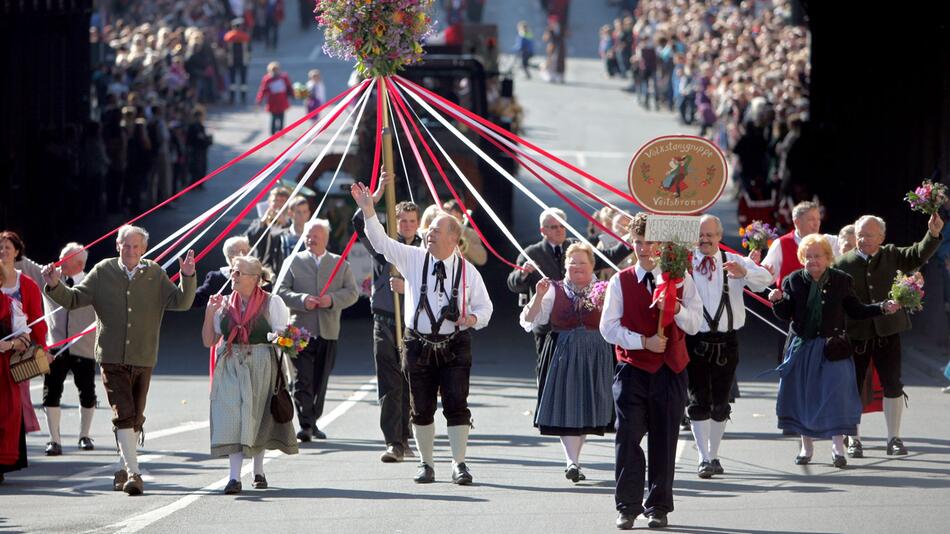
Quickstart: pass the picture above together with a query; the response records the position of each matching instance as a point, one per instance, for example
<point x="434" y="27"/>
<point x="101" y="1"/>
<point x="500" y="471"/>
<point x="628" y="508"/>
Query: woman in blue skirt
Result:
<point x="817" y="393"/>
<point x="575" y="396"/>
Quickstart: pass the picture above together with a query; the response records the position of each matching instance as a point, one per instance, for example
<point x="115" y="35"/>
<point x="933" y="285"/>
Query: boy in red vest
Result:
<point x="650" y="383"/>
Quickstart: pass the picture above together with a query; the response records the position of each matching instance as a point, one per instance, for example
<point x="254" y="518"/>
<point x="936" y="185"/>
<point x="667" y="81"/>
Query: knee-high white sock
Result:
<point x="53" y="415"/>
<point x="458" y="441"/>
<point x="572" y="449"/>
<point x="425" y="442"/>
<point x="259" y="463"/>
<point x="716" y="430"/>
<point x="85" y="421"/>
<point x="837" y="445"/>
<point x="808" y="446"/>
<point x="893" y="409"/>
<point x="128" y="440"/>
<point x="236" y="460"/>
<point x="701" y="431"/>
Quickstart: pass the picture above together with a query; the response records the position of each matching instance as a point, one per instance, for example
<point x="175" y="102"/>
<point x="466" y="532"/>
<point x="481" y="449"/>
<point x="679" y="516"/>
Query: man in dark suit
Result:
<point x="873" y="266"/>
<point x="320" y="315"/>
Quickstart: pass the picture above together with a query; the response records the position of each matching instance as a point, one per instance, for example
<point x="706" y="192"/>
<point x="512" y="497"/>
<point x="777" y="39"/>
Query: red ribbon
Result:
<point x="666" y="290"/>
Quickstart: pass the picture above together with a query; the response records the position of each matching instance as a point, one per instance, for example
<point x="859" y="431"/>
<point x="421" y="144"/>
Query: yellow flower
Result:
<point x="741" y="231"/>
<point x="417" y="48"/>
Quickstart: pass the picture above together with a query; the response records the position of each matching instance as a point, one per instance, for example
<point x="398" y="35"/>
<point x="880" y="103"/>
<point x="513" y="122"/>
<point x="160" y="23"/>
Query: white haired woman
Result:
<point x="246" y="372"/>
<point x="817" y="393"/>
<point x="576" y="373"/>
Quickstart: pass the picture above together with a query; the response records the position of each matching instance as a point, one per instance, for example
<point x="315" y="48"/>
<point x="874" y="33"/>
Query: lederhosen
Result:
<point x="438" y="363"/>
<point x="713" y="358"/>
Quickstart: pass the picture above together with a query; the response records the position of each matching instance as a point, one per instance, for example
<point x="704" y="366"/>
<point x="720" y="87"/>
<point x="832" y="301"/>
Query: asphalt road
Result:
<point x="340" y="486"/>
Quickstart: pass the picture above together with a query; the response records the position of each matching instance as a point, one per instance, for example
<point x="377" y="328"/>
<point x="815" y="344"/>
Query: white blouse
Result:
<point x="277" y="313"/>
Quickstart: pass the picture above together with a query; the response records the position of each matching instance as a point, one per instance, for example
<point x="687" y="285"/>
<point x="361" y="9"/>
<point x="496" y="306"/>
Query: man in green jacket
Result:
<point x="874" y="266"/>
<point x="130" y="296"/>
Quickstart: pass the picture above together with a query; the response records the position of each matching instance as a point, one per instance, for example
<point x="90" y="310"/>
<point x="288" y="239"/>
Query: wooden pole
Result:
<point x="391" y="225"/>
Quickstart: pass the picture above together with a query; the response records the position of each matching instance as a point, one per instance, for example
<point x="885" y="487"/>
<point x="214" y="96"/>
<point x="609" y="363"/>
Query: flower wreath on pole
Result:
<point x="381" y="35"/>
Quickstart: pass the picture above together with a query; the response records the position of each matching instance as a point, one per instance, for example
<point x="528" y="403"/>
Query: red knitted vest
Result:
<point x="640" y="318"/>
<point x="790" y="261"/>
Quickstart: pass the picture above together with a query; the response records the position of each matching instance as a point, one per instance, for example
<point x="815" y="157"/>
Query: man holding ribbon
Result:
<point x="445" y="299"/>
<point x="650" y="383"/>
<point x="130" y="296"/>
<point x="719" y="277"/>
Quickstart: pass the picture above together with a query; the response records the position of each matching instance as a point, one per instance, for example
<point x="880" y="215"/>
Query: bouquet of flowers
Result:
<point x="291" y="340"/>
<point x="593" y="298"/>
<point x="928" y="197"/>
<point x="908" y="291"/>
<point x="300" y="91"/>
<point x="381" y="35"/>
<point x="757" y="236"/>
<point x="675" y="259"/>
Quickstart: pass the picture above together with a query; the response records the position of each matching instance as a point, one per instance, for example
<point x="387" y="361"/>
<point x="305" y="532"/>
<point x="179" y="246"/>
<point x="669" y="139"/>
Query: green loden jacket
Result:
<point x="129" y="312"/>
<point x="873" y="280"/>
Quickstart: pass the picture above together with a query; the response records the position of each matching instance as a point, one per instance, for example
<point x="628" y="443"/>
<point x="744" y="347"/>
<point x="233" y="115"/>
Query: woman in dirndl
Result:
<point x="574" y="386"/>
<point x="12" y="420"/>
<point x="817" y="396"/>
<point x="245" y="372"/>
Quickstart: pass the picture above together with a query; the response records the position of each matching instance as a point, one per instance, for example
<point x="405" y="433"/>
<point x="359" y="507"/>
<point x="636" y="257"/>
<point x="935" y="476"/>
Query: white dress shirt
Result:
<point x="135" y="269"/>
<point x="409" y="260"/>
<point x="757" y="278"/>
<point x="773" y="258"/>
<point x="688" y="319"/>
<point x="544" y="314"/>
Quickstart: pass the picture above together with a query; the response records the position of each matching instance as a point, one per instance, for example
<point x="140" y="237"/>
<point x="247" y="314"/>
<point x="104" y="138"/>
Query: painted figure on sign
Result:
<point x="675" y="180"/>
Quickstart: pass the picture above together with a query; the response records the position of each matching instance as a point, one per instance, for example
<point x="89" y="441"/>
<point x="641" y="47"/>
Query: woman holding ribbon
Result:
<point x="574" y="393"/>
<point x="12" y="420"/>
<point x="245" y="372"/>
<point x="817" y="394"/>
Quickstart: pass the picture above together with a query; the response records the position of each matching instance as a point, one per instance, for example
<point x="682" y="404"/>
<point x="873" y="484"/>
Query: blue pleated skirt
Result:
<point x="817" y="398"/>
<point x="576" y="396"/>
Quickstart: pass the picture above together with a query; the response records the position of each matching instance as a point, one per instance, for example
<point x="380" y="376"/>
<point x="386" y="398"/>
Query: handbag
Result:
<point x="838" y="347"/>
<point x="29" y="363"/>
<point x="281" y="405"/>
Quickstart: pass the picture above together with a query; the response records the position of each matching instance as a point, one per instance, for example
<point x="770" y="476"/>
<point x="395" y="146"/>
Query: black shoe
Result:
<point x="855" y="450"/>
<point x="717" y="467"/>
<point x="787" y="432"/>
<point x="802" y="460"/>
<point x="838" y="461"/>
<point x="134" y="485"/>
<point x="53" y="449"/>
<point x="625" y="521"/>
<point x="407" y="451"/>
<point x="657" y="521"/>
<point x="895" y="447"/>
<point x="573" y="473"/>
<point x="233" y="487"/>
<point x="394" y="453"/>
<point x="425" y="475"/>
<point x="705" y="470"/>
<point x="259" y="482"/>
<point x="318" y="434"/>
<point x="85" y="444"/>
<point x="304" y="435"/>
<point x="461" y="475"/>
<point x="118" y="479"/>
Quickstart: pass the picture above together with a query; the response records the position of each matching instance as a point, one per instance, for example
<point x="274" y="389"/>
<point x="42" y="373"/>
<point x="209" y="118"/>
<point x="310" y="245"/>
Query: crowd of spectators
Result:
<point x="739" y="71"/>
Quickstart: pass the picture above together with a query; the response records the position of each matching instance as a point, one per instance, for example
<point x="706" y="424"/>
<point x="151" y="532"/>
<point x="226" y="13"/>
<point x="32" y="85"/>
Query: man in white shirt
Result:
<point x="650" y="384"/>
<point x="714" y="350"/>
<point x="782" y="257"/>
<point x="445" y="299"/>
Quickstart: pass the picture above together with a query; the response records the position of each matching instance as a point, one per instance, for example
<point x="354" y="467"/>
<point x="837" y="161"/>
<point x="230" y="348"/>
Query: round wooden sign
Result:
<point x="677" y="174"/>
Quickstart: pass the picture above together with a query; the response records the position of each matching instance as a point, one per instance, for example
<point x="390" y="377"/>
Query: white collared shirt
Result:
<point x="757" y="278"/>
<point x="773" y="258"/>
<point x="688" y="319"/>
<point x="135" y="269"/>
<point x="318" y="259"/>
<point x="59" y="322"/>
<point x="409" y="260"/>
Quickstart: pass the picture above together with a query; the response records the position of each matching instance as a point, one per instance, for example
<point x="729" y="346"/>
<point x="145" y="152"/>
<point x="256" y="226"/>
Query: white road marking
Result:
<point x="139" y="522"/>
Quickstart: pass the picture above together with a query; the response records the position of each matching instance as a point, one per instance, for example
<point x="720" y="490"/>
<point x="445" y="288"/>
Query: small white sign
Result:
<point x="677" y="228"/>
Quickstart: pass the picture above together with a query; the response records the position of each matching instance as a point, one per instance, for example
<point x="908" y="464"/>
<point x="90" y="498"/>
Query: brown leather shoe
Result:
<point x="394" y="453"/>
<point x="118" y="480"/>
<point x="134" y="486"/>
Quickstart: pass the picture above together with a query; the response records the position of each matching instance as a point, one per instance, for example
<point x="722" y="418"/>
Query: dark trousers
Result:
<point x="84" y="376"/>
<point x="127" y="388"/>
<point x="713" y="359"/>
<point x="276" y="122"/>
<point x="238" y="72"/>
<point x="313" y="365"/>
<point x="391" y="384"/>
<point x="647" y="403"/>
<point x="886" y="354"/>
<point x="446" y="372"/>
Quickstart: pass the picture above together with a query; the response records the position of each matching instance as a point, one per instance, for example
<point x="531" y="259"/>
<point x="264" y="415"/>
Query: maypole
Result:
<point x="390" y="195"/>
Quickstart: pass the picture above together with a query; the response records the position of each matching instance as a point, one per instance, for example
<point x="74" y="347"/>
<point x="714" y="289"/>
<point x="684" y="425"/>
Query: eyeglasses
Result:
<point x="235" y="271"/>
<point x="553" y="226"/>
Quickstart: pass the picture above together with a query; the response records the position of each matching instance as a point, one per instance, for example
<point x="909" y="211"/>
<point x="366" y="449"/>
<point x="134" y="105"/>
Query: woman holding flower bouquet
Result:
<point x="246" y="372"/>
<point x="817" y="393"/>
<point x="574" y="394"/>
